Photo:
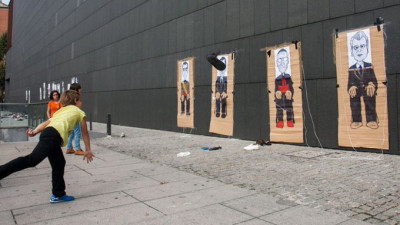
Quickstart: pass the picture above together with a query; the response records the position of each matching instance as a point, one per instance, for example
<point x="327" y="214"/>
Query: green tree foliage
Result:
<point x="3" y="50"/>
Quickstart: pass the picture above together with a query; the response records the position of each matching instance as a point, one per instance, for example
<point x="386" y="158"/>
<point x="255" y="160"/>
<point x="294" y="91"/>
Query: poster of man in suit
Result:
<point x="185" y="93"/>
<point x="284" y="83"/>
<point x="362" y="83"/>
<point x="362" y="91"/>
<point x="283" y="88"/>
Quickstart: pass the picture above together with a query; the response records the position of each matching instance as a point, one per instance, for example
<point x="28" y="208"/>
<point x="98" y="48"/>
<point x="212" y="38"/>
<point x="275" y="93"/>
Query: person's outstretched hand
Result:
<point x="88" y="156"/>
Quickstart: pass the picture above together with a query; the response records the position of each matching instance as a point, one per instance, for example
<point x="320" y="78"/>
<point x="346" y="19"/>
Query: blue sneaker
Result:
<point x="65" y="198"/>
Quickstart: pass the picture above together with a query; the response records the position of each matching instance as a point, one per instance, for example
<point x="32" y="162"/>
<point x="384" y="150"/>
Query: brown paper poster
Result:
<point x="222" y="97"/>
<point x="285" y="95"/>
<point x="362" y="98"/>
<point x="185" y="93"/>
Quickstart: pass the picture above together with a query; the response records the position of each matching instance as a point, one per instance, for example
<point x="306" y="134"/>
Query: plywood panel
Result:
<point x="285" y="95"/>
<point x="185" y="93"/>
<point x="222" y="97"/>
<point x="360" y="126"/>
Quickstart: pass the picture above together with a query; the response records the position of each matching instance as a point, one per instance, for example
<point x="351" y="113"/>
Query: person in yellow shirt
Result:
<point x="54" y="135"/>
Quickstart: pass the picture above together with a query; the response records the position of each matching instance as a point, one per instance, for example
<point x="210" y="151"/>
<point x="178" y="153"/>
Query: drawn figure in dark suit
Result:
<point x="283" y="90"/>
<point x="185" y="89"/>
<point x="221" y="91"/>
<point x="362" y="83"/>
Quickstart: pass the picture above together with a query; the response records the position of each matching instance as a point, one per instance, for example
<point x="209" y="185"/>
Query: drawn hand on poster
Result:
<point x="362" y="82"/>
<point x="185" y="89"/>
<point x="221" y="85"/>
<point x="283" y="88"/>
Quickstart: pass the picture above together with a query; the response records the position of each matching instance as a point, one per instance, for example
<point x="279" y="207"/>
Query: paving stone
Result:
<point x="299" y="215"/>
<point x="93" y="203"/>
<point x="6" y="218"/>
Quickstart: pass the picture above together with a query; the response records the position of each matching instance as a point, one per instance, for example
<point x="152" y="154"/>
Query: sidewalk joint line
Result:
<point x="83" y="170"/>
<point x="144" y="203"/>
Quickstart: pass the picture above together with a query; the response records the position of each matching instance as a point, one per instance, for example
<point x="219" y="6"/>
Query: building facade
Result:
<point x="125" y="53"/>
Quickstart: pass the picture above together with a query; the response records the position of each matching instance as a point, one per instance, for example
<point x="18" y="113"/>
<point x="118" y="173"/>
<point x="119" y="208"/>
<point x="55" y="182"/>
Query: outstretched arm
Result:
<point x="86" y="140"/>
<point x="38" y="129"/>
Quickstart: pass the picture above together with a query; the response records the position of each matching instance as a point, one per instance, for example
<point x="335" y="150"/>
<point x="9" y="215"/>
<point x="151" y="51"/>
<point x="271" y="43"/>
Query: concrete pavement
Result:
<point x="139" y="179"/>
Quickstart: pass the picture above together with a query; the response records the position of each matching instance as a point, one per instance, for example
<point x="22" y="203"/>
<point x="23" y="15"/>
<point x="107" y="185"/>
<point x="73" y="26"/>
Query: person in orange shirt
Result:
<point x="54" y="104"/>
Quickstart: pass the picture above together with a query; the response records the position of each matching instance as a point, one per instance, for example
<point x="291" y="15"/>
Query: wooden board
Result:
<point x="292" y="68"/>
<point x="222" y="123"/>
<point x="185" y="93"/>
<point x="367" y="135"/>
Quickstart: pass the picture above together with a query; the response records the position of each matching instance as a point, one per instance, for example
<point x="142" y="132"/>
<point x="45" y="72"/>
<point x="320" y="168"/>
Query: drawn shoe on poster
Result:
<point x="373" y="125"/>
<point x="355" y="125"/>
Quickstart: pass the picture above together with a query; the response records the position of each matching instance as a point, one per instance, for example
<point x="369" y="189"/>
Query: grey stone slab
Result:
<point x="27" y="189"/>
<point x="39" y="213"/>
<point x="354" y="221"/>
<point x="120" y="215"/>
<point x="297" y="9"/>
<point x="339" y="8"/>
<point x="392" y="87"/>
<point x="258" y="205"/>
<point x="360" y="20"/>
<point x="18" y="181"/>
<point x="175" y="176"/>
<point x="246" y="18"/>
<point x="278" y="14"/>
<point x="152" y="170"/>
<point x="307" y="154"/>
<point x="317" y="10"/>
<point x="303" y="215"/>
<point x="101" y="186"/>
<point x="255" y="222"/>
<point x="329" y="27"/>
<point x="312" y="50"/>
<point x="117" y="169"/>
<point x="327" y="113"/>
<point x="364" y="5"/>
<point x="261" y="16"/>
<point x="198" y="199"/>
<point x="198" y="27"/>
<point x="7" y="150"/>
<point x="6" y="218"/>
<point x="390" y="2"/>
<point x="39" y="171"/>
<point x="292" y="34"/>
<point x="220" y="22"/>
<point x="172" y="188"/>
<point x="209" y="25"/>
<point x="213" y="214"/>
<point x="21" y="201"/>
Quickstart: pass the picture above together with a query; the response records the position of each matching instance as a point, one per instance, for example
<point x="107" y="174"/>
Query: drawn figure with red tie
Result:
<point x="283" y="89"/>
<point x="362" y="83"/>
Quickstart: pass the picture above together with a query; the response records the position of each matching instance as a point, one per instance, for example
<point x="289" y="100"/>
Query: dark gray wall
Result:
<point x="124" y="53"/>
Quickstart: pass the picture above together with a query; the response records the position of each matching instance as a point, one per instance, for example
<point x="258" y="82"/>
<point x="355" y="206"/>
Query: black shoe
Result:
<point x="213" y="60"/>
<point x="217" y="114"/>
<point x="223" y="115"/>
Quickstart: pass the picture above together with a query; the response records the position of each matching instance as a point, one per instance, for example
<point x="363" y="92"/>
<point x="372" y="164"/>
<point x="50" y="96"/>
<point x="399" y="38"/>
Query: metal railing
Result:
<point x="22" y="114"/>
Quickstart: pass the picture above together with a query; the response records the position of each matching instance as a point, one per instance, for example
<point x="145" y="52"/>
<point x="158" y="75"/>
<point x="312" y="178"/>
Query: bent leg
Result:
<point x="39" y="153"/>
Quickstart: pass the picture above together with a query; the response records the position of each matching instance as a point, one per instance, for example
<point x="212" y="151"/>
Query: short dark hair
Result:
<point x="75" y="87"/>
<point x="54" y="91"/>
